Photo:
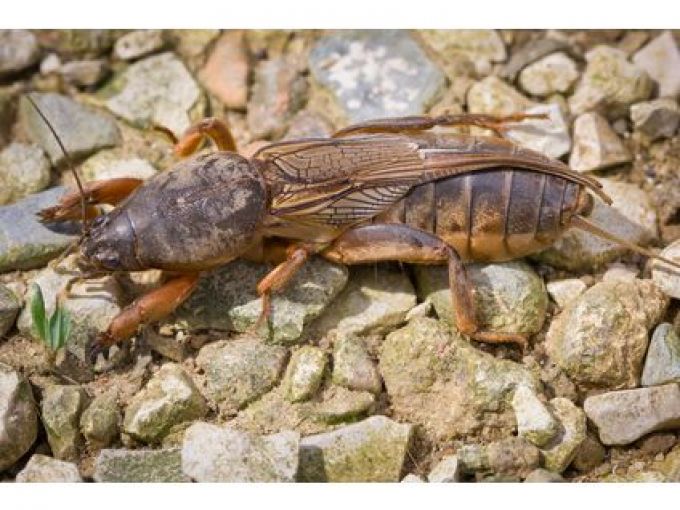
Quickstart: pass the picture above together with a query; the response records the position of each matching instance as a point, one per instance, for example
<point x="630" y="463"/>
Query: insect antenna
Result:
<point x="586" y="225"/>
<point x="69" y="162"/>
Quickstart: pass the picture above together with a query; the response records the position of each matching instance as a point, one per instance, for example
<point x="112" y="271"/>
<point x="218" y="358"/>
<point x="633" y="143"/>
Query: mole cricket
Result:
<point x="389" y="189"/>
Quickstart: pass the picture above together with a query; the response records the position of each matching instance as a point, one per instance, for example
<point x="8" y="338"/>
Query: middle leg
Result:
<point x="383" y="242"/>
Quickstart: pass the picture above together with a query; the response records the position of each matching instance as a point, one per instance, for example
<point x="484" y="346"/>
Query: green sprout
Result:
<point x="52" y="332"/>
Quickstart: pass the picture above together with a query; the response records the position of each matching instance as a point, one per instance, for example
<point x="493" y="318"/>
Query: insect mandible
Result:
<point x="389" y="189"/>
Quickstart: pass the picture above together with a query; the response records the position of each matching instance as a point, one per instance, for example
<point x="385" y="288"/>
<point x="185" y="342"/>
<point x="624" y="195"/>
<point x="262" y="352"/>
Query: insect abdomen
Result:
<point x="492" y="215"/>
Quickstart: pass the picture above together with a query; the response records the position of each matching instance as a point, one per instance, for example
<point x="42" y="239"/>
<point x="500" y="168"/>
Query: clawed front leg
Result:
<point x="150" y="307"/>
<point x="497" y="124"/>
<point x="384" y="242"/>
<point x="110" y="191"/>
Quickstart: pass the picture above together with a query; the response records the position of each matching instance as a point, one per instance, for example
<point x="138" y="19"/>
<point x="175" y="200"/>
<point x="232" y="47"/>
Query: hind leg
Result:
<point x="211" y="127"/>
<point x="497" y="124"/>
<point x="384" y="242"/>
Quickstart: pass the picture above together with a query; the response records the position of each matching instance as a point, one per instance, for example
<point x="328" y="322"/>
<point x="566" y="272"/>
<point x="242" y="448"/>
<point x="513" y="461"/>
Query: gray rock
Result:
<point x="221" y="454"/>
<point x="425" y="364"/>
<point x="552" y="74"/>
<point x="560" y="452"/>
<point x="589" y="455"/>
<point x="77" y="42"/>
<point x="373" y="450"/>
<point x="332" y="405"/>
<point x="534" y="421"/>
<point x="110" y="164"/>
<point x="353" y="368"/>
<point x="376" y="73"/>
<point x="137" y="466"/>
<point x="18" y="416"/>
<point x="138" y="43"/>
<point x="60" y="410"/>
<point x="446" y="470"/>
<point x="481" y="47"/>
<point x="661" y="59"/>
<point x="564" y="291"/>
<point x="510" y="297"/>
<point x="530" y="52"/>
<point x="472" y="458"/>
<point x="610" y="84"/>
<point x="24" y="170"/>
<point x="596" y="145"/>
<point x="227" y="300"/>
<point x="239" y="371"/>
<point x="376" y="299"/>
<point x="100" y="422"/>
<point x="91" y="304"/>
<point x="85" y="73"/>
<point x="9" y="309"/>
<point x="495" y="97"/>
<point x="42" y="469"/>
<point x="279" y="90"/>
<point x="25" y="243"/>
<point x="666" y="276"/>
<point x="18" y="50"/>
<point x="622" y="417"/>
<point x="157" y="90"/>
<point x="81" y="129"/>
<point x="226" y="72"/>
<point x="543" y="476"/>
<point x="512" y="456"/>
<point x="305" y="373"/>
<point x="342" y="405"/>
<point x="600" y="339"/>
<point x="662" y="364"/>
<point x="656" y="119"/>
<point x="631" y="217"/>
<point x="509" y="457"/>
<point x="169" y="399"/>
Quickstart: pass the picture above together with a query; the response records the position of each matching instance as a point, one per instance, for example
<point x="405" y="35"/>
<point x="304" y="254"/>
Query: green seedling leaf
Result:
<point x="38" y="313"/>
<point x="52" y="332"/>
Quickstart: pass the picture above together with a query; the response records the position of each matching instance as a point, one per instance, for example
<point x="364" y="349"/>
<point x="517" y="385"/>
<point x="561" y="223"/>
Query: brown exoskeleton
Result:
<point x="382" y="190"/>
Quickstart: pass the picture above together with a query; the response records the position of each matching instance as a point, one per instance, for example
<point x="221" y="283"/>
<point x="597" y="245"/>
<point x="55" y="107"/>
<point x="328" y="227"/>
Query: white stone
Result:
<point x="596" y="145"/>
<point x="661" y="59"/>
<point x="534" y="422"/>
<point x="447" y="470"/>
<point x="549" y="136"/>
<point x="554" y="73"/>
<point x="41" y="469"/>
<point x="658" y="118"/>
<point x="564" y="291"/>
<point x="220" y="454"/>
<point x="622" y="417"/>
<point x="560" y="452"/>
<point x="662" y="364"/>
